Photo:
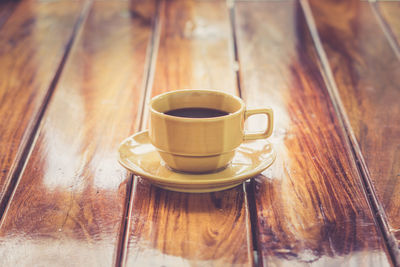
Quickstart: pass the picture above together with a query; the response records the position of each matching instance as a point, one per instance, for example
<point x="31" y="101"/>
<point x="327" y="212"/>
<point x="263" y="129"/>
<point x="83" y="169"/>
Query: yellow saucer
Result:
<point x="139" y="156"/>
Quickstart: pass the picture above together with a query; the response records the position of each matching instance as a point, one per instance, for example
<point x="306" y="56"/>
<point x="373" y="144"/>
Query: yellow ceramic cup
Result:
<point x="199" y="145"/>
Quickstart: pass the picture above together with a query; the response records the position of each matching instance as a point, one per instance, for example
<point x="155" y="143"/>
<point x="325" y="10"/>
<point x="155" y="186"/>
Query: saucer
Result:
<point x="139" y="156"/>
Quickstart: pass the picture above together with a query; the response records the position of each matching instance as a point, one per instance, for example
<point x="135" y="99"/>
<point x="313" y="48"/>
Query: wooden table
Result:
<point x="75" y="77"/>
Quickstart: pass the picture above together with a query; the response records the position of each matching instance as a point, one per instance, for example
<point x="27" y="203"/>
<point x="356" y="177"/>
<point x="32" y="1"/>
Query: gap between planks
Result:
<point x="248" y="197"/>
<point x="236" y="64"/>
<point x="351" y="141"/>
<point x="147" y="84"/>
<point x="248" y="186"/>
<point x="29" y="140"/>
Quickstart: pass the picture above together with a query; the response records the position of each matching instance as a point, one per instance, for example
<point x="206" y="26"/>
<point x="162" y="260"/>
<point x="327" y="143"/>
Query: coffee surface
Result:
<point x="196" y="112"/>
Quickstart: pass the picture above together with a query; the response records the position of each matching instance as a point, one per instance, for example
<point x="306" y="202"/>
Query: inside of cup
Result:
<point x="196" y="99"/>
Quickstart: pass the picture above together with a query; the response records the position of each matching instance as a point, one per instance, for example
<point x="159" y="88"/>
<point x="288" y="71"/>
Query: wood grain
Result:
<point x="367" y="75"/>
<point x="310" y="206"/>
<point x="178" y="229"/>
<point x="33" y="42"/>
<point x="68" y="208"/>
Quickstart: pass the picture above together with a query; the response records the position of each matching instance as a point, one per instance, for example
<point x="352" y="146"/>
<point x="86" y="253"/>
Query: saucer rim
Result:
<point x="222" y="181"/>
<point x="201" y="189"/>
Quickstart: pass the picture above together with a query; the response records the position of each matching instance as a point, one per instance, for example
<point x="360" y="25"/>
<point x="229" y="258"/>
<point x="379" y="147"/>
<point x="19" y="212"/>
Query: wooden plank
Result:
<point x="70" y="204"/>
<point x="367" y="75"/>
<point x="33" y="42"/>
<point x="310" y="205"/>
<point x="195" y="50"/>
<point x="178" y="229"/>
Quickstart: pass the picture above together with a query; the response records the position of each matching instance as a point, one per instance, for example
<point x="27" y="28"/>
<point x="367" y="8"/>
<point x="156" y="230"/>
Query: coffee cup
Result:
<point x="197" y="131"/>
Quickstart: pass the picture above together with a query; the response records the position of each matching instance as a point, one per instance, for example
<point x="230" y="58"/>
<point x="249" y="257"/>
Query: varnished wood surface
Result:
<point x="74" y="205"/>
<point x="390" y="12"/>
<point x="178" y="229"/>
<point x="195" y="48"/>
<point x="33" y="42"/>
<point x="69" y="206"/>
<point x="367" y="75"/>
<point x="310" y="207"/>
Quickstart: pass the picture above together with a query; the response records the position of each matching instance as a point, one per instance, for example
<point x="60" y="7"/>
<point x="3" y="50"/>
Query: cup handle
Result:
<point x="267" y="133"/>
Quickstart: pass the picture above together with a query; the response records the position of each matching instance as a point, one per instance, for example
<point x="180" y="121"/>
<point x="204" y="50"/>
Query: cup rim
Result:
<point x="240" y="110"/>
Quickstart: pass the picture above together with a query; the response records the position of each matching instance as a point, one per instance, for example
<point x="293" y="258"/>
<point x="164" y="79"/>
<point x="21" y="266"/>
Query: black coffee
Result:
<point x="196" y="112"/>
